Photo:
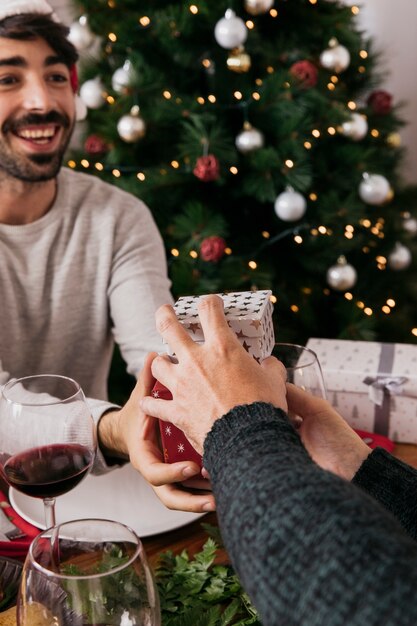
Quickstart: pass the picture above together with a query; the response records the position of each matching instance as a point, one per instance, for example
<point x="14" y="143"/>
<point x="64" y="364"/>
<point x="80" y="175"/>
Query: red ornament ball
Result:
<point x="94" y="144"/>
<point x="212" y="248"/>
<point x="305" y="72"/>
<point x="380" y="102"/>
<point x="207" y="168"/>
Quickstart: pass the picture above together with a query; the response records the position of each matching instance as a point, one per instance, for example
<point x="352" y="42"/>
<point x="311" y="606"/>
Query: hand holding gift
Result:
<point x="329" y="440"/>
<point x="211" y="378"/>
<point x="249" y="315"/>
<point x="136" y="434"/>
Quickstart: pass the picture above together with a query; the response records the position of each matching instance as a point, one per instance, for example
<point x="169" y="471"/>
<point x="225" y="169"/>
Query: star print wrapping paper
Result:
<point x="249" y="315"/>
<point x="175" y="444"/>
<point x="372" y="385"/>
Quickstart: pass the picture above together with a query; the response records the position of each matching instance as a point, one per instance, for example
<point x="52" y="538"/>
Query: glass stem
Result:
<point x="49" y="507"/>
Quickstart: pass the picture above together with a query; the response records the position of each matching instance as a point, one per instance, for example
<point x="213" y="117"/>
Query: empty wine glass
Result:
<point x="47" y="437"/>
<point x="87" y="572"/>
<point x="303" y="367"/>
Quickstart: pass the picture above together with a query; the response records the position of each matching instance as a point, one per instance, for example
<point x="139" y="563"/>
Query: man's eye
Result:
<point x="8" y="80"/>
<point x="58" y="78"/>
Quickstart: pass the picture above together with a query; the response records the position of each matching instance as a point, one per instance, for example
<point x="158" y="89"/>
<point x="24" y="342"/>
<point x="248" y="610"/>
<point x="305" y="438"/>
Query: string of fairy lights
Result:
<point x="230" y="33"/>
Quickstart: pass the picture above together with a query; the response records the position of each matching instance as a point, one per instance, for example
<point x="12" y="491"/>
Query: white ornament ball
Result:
<point x="131" y="127"/>
<point x="249" y="139"/>
<point x="400" y="257"/>
<point x="290" y="205"/>
<point x="80" y="109"/>
<point x="341" y="276"/>
<point x="92" y="93"/>
<point x="336" y="58"/>
<point x="374" y="189"/>
<point x="410" y="225"/>
<point x="123" y="77"/>
<point x="230" y="31"/>
<point x="80" y="34"/>
<point x="257" y="7"/>
<point x="356" y="127"/>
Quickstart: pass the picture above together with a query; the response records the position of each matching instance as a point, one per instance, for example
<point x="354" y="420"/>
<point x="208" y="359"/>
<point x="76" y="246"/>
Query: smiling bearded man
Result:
<point x="82" y="264"/>
<point x="37" y="110"/>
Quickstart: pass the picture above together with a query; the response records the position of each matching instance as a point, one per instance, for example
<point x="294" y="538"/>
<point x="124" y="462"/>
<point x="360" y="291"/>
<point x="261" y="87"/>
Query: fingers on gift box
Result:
<point x="249" y="315"/>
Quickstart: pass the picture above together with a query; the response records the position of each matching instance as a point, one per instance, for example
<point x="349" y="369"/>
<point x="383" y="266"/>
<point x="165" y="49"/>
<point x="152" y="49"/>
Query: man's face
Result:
<point x="37" y="110"/>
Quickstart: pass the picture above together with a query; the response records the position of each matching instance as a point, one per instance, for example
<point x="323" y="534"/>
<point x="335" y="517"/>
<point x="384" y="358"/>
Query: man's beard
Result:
<point x="33" y="168"/>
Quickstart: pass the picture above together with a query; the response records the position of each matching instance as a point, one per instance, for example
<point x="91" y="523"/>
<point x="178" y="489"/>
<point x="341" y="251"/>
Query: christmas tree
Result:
<point x="258" y="135"/>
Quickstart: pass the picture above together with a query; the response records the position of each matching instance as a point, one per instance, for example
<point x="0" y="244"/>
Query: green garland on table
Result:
<point x="198" y="592"/>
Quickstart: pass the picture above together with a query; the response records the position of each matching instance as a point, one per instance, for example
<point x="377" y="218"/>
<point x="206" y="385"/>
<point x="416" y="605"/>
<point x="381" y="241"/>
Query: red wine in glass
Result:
<point x="47" y="437"/>
<point x="48" y="471"/>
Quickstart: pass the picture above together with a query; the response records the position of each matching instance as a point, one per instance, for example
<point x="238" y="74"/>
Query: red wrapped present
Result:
<point x="249" y="315"/>
<point x="175" y="445"/>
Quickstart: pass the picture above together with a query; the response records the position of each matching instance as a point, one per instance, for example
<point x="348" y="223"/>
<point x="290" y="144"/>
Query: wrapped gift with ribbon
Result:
<point x="372" y="385"/>
<point x="249" y="315"/>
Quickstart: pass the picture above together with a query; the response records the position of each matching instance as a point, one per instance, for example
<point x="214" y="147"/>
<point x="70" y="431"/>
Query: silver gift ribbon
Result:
<point x="378" y="386"/>
<point x="382" y="386"/>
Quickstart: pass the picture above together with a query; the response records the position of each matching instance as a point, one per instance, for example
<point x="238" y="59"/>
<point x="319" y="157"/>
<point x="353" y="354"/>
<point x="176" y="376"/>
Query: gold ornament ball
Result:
<point x="257" y="7"/>
<point x="394" y="140"/>
<point x="239" y="61"/>
<point x="131" y="127"/>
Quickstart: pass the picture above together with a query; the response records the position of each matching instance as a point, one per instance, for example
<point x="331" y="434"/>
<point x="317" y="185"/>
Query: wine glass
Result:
<point x="47" y="437"/>
<point x="303" y="369"/>
<point x="87" y="572"/>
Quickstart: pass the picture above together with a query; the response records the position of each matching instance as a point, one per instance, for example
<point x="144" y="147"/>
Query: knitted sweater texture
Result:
<point x="310" y="548"/>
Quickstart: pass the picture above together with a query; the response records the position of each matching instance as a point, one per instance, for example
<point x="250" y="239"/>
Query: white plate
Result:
<point x="121" y="495"/>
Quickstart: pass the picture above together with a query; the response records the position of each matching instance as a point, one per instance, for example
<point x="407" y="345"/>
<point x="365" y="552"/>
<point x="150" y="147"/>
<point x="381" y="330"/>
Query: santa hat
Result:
<point x="20" y="7"/>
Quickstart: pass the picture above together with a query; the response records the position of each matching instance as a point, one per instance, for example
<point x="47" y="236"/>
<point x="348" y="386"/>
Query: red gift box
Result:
<point x="175" y="445"/>
<point x="249" y="315"/>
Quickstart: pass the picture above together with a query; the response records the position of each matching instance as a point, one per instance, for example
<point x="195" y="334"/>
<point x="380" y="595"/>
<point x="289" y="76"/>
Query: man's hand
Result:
<point x="132" y="434"/>
<point x="209" y="379"/>
<point x="329" y="440"/>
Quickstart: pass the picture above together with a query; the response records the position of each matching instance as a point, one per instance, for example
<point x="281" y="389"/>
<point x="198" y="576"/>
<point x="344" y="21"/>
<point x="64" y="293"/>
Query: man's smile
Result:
<point x="41" y="135"/>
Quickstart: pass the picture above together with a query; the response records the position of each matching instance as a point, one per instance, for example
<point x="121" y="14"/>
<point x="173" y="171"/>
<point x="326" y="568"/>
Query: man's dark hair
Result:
<point x="29" y="26"/>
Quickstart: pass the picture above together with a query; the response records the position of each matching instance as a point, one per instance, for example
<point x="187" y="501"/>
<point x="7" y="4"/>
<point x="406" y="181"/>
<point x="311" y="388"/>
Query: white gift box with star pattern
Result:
<point x="372" y="385"/>
<point x="248" y="313"/>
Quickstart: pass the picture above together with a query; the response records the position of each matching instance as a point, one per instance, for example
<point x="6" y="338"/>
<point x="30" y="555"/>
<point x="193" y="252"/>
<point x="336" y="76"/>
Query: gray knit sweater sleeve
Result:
<point x="393" y="484"/>
<point x="310" y="548"/>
